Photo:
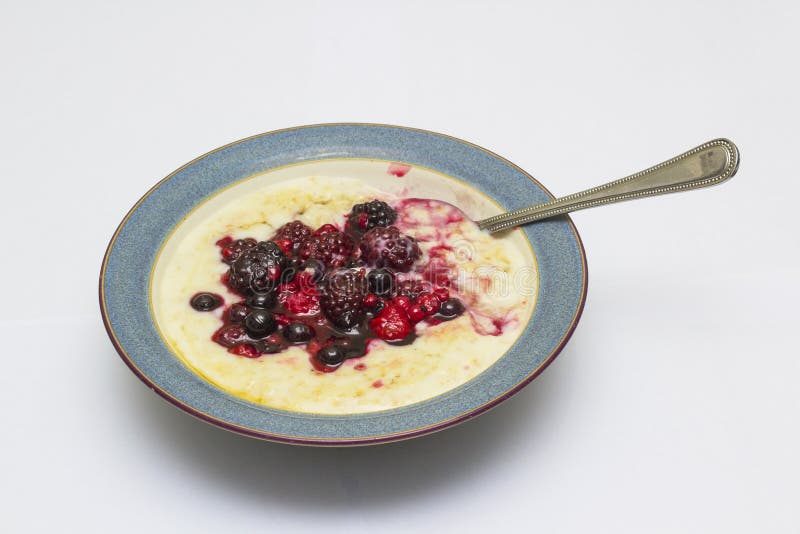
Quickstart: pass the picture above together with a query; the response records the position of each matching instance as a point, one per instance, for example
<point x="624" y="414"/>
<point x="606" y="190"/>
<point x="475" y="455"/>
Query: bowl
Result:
<point x="128" y="269"/>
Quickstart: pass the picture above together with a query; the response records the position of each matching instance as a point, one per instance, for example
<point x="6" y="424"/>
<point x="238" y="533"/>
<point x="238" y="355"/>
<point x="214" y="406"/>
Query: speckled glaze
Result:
<point x="127" y="267"/>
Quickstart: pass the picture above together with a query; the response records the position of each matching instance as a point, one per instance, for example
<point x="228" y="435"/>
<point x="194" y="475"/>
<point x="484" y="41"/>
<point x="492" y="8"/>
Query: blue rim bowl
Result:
<point x="127" y="267"/>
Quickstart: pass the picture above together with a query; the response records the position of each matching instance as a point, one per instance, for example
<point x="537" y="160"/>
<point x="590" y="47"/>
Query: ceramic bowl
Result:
<point x="128" y="266"/>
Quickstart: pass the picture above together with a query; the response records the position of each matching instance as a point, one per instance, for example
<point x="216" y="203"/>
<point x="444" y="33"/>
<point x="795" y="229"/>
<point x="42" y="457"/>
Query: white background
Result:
<point x="675" y="407"/>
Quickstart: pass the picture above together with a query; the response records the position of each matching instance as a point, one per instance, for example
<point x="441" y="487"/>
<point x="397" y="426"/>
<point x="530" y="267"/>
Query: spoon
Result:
<point x="708" y="164"/>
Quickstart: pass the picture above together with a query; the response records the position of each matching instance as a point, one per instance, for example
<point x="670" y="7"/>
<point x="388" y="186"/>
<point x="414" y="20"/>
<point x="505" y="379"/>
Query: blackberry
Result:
<point x="370" y="215"/>
<point x="388" y="247"/>
<point x="342" y="296"/>
<point x="294" y="231"/>
<point x="257" y="270"/>
<point x="333" y="248"/>
<point x="234" y="249"/>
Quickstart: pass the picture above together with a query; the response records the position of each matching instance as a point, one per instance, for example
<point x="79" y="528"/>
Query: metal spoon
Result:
<point x="708" y="164"/>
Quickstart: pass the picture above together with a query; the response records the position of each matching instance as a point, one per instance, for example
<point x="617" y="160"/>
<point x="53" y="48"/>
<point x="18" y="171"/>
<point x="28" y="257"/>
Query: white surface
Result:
<point x="673" y="409"/>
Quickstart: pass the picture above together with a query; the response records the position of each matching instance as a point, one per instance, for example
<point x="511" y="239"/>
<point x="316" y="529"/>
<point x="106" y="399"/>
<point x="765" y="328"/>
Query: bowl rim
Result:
<point x="337" y="442"/>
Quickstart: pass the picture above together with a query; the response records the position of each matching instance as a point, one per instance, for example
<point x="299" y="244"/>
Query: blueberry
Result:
<point x="451" y="308"/>
<point x="317" y="269"/>
<point x="353" y="348"/>
<point x="332" y="355"/>
<point x="206" y="302"/>
<point x="298" y="332"/>
<point x="263" y="301"/>
<point x="293" y="267"/>
<point x="259" y="323"/>
<point x="381" y="281"/>
<point x="238" y="312"/>
<point x="268" y="347"/>
<point x="347" y="320"/>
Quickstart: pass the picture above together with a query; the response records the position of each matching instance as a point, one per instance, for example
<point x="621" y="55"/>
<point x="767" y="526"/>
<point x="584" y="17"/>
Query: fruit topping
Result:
<point x="370" y="301"/>
<point x="331" y="355"/>
<point x="329" y="291"/>
<point x="451" y="308"/>
<point x="300" y="296"/>
<point x="246" y="350"/>
<point x="315" y="268"/>
<point x="342" y="298"/>
<point x="428" y="302"/>
<point x="234" y="248"/>
<point x="388" y="247"/>
<point x="291" y="235"/>
<point x="331" y="247"/>
<point x="257" y="269"/>
<point x="381" y="281"/>
<point x="392" y="324"/>
<point x="298" y="332"/>
<point x="238" y="312"/>
<point x="262" y="301"/>
<point x="259" y="323"/>
<point x="205" y="302"/>
<point x="412" y="288"/>
<point x="230" y="335"/>
<point x="369" y="215"/>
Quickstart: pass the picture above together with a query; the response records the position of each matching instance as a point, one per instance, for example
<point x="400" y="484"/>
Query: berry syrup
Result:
<point x="298" y="306"/>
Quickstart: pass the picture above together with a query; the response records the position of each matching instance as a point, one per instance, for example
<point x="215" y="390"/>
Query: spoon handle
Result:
<point x="708" y="164"/>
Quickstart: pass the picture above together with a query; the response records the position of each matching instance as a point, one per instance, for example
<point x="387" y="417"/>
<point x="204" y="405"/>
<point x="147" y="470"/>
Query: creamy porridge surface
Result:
<point x="491" y="283"/>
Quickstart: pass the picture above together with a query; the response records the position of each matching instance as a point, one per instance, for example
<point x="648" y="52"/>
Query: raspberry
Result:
<point x="233" y="249"/>
<point x="370" y="215"/>
<point x="416" y="313"/>
<point x="392" y="324"/>
<point x="286" y="246"/>
<point x="257" y="269"/>
<point x="282" y="319"/>
<point x="442" y="293"/>
<point x="403" y="302"/>
<point x="387" y="247"/>
<point x="300" y="297"/>
<point x="429" y="303"/>
<point x="295" y="232"/>
<point x="248" y="351"/>
<point x="333" y="248"/>
<point x="343" y="295"/>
